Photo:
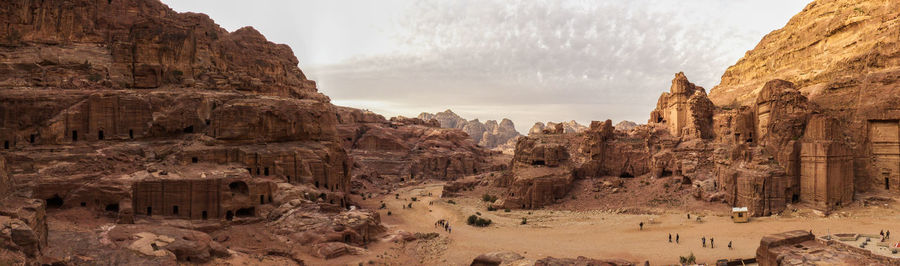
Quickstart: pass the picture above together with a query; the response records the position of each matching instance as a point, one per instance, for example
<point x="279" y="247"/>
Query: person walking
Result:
<point x="729" y="244"/>
<point x="677" y="237"/>
<point x="670" y="238"/>
<point x="641" y="225"/>
<point x="887" y="234"/>
<point x="712" y="244"/>
<point x="703" y="239"/>
<point x="689" y="216"/>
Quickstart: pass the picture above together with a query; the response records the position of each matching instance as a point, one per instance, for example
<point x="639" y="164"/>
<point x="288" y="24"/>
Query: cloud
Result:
<point x="537" y="60"/>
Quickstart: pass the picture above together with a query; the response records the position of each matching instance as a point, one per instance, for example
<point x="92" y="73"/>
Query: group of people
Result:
<point x="885" y="235"/>
<point x="444" y="224"/>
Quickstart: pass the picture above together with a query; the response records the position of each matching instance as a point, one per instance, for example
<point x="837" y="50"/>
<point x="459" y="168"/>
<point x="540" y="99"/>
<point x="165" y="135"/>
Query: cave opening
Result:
<point x="74" y="135"/>
<point x="887" y="183"/>
<point x="131" y="133"/>
<point x="149" y="211"/>
<point x="83" y="204"/>
<point x="317" y="184"/>
<point x="203" y="215"/>
<point x="175" y="209"/>
<point x="229" y="215"/>
<point x="539" y="162"/>
<point x="266" y="171"/>
<point x="6" y="144"/>
<point x="626" y="175"/>
<point x="55" y="202"/>
<point x="245" y="212"/>
<point x="262" y="199"/>
<point x="666" y="173"/>
<point x="195" y="160"/>
<point x="100" y="135"/>
<point x="31" y="138"/>
<point x="112" y="207"/>
<point x="189" y="129"/>
<point x="208" y="122"/>
<point x="239" y="187"/>
<point x="795" y="198"/>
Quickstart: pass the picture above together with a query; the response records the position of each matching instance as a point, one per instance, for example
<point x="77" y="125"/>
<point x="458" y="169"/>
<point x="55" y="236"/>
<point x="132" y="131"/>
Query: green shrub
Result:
<point x="690" y="259"/>
<point x="481" y="222"/>
<point x="413" y="198"/>
<point x="488" y="198"/>
<point x="389" y="213"/>
<point x="491" y="208"/>
<point x="506" y="210"/>
<point x="451" y="202"/>
<point x="409" y="206"/>
<point x="524" y="220"/>
<point x="471" y="220"/>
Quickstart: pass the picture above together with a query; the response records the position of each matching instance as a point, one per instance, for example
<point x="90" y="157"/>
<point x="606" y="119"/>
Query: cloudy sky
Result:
<point x="528" y="60"/>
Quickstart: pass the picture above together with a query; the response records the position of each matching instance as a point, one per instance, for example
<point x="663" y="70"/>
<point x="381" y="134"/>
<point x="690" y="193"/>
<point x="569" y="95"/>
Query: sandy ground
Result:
<point x="600" y="234"/>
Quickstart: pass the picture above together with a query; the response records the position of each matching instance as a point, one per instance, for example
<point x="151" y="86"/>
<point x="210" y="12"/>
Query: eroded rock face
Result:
<point x="140" y="44"/>
<point x="166" y="242"/>
<point x="562" y="127"/>
<point x="141" y="114"/>
<point x="386" y="152"/>
<point x="489" y="134"/>
<point x="541" y="172"/>
<point x="685" y="110"/>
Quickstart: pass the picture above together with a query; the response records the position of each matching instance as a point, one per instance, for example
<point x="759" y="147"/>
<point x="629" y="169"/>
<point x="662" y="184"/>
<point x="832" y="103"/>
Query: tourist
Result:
<point x="641" y="225"/>
<point x="711" y="243"/>
<point x="729" y="244"/>
<point x="703" y="240"/>
<point x="670" y="238"/>
<point x="677" y="238"/>
<point x="887" y="234"/>
<point x="689" y="216"/>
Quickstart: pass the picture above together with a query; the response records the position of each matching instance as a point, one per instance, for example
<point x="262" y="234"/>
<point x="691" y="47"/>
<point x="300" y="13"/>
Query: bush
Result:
<point x="489" y="198"/>
<point x="409" y="206"/>
<point x="451" y="202"/>
<point x="690" y="259"/>
<point x="389" y="213"/>
<point x="413" y="198"/>
<point x="524" y="220"/>
<point x="491" y="208"/>
<point x="478" y="221"/>
<point x="506" y="210"/>
<point x="478" y="213"/>
<point x="396" y="196"/>
<point x="383" y="205"/>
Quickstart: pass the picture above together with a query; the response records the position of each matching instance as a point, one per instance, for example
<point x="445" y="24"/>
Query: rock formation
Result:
<point x="568" y="127"/>
<point x="404" y="149"/>
<point x="685" y="110"/>
<point x="489" y="134"/>
<point x="625" y="125"/>
<point x="138" y="112"/>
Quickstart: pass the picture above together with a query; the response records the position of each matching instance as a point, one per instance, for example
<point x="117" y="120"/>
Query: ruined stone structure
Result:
<point x="222" y="198"/>
<point x="884" y="150"/>
<point x="685" y="110"/>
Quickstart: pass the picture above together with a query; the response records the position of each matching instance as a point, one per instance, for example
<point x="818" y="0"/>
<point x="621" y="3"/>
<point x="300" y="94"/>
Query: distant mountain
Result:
<point x="489" y="134"/>
<point x="569" y="126"/>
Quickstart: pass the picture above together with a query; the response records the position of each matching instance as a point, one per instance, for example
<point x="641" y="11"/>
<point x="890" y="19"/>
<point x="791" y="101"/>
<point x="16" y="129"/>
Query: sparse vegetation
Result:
<point x="524" y="220"/>
<point x="389" y="213"/>
<point x="491" y="208"/>
<point x="413" y="198"/>
<point x="478" y="221"/>
<point x="489" y="198"/>
<point x="383" y="205"/>
<point x="409" y="206"/>
<point x="690" y="259"/>
<point x="507" y="210"/>
<point x="451" y="202"/>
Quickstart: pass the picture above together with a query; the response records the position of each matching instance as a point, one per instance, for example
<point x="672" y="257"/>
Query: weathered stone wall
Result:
<point x="217" y="198"/>
<point x="826" y="165"/>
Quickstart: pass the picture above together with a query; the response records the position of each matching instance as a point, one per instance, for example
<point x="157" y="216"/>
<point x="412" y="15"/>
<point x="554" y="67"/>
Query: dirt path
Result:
<point x="599" y="234"/>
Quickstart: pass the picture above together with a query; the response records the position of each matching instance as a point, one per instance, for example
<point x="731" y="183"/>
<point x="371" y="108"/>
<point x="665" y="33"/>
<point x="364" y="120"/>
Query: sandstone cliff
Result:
<point x="568" y="127"/>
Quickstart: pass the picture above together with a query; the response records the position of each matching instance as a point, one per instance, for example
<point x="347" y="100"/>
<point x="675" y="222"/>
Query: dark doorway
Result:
<point x="100" y="135"/>
<point x="262" y="199"/>
<point x="6" y="144"/>
<point x="208" y="122"/>
<point x="189" y="129"/>
<point x="626" y="175"/>
<point x="55" y="202"/>
<point x="289" y="179"/>
<point x="74" y="135"/>
<point x="149" y="211"/>
<point x="245" y="212"/>
<point x="266" y="171"/>
<point x="31" y="138"/>
<point x="887" y="183"/>
<point x="203" y="215"/>
<point x="317" y="184"/>
<point x="250" y="170"/>
<point x="666" y="173"/>
<point x="83" y="204"/>
<point x="112" y="207"/>
<point x="175" y="210"/>
<point x="229" y="215"/>
<point x="194" y="159"/>
<point x="538" y="162"/>
<point x="270" y="198"/>
<point x="346" y="238"/>
<point x="795" y="198"/>
<point x="131" y="133"/>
